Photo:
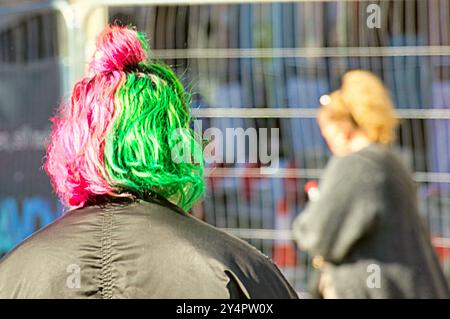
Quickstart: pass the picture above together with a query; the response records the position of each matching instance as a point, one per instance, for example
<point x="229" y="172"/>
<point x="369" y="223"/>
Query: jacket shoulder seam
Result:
<point x="106" y="274"/>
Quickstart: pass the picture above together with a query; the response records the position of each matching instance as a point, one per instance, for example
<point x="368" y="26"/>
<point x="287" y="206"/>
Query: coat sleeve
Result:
<point x="350" y="199"/>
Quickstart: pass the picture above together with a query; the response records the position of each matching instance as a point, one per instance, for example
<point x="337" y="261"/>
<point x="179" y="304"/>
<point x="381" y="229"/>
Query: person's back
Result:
<point x="137" y="249"/>
<point x="123" y="158"/>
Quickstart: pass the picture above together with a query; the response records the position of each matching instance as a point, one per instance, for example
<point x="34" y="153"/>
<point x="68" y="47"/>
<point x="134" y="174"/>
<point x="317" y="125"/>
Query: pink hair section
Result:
<point x="117" y="48"/>
<point x="75" y="154"/>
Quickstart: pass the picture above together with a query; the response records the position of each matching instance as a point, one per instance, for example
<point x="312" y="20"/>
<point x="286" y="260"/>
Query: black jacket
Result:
<point x="137" y="249"/>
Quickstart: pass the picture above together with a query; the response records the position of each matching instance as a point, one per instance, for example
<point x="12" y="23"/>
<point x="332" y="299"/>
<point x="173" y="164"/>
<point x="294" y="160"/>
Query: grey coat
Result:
<point x="367" y="228"/>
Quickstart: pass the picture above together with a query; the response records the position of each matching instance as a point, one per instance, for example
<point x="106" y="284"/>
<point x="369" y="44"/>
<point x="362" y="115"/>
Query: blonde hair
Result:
<point x="363" y="101"/>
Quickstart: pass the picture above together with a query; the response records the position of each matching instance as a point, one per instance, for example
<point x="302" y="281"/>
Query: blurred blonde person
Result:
<point x="364" y="231"/>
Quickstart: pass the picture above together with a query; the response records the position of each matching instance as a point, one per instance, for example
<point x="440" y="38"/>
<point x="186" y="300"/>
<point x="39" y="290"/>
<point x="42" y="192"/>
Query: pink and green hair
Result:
<point x="116" y="133"/>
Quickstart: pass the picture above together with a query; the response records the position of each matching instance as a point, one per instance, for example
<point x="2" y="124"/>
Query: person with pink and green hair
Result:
<point x="123" y="159"/>
<point x="115" y="134"/>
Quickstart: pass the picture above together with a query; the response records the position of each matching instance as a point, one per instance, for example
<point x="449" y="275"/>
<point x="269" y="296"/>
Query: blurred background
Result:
<point x="248" y="64"/>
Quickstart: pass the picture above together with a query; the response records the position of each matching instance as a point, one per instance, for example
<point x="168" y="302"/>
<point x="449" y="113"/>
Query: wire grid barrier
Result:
<point x="265" y="65"/>
<point x="31" y="84"/>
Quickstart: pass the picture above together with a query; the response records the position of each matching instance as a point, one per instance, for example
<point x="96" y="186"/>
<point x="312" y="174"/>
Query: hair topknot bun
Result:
<point x="117" y="49"/>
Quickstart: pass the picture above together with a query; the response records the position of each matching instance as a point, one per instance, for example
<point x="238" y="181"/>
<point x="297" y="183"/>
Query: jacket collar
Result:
<point x="148" y="196"/>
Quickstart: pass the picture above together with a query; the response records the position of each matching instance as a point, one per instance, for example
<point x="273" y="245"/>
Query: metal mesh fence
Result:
<point x="31" y="84"/>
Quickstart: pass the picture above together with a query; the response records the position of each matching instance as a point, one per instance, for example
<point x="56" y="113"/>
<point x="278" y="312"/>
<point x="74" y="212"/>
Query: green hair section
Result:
<point x="151" y="147"/>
